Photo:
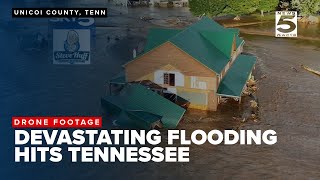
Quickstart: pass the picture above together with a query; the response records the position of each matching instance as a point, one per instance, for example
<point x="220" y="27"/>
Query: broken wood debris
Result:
<point x="251" y="87"/>
<point x="295" y="69"/>
<point x="310" y="70"/>
<point x="146" y="18"/>
<point x="253" y="104"/>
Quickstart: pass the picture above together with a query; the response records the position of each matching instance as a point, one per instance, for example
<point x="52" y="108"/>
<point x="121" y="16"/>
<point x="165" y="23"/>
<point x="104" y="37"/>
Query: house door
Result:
<point x="172" y="79"/>
<point x="169" y="78"/>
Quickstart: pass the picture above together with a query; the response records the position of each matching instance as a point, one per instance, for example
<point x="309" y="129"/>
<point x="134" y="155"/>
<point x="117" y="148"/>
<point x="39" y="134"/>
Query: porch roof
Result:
<point x="235" y="79"/>
<point x="142" y="103"/>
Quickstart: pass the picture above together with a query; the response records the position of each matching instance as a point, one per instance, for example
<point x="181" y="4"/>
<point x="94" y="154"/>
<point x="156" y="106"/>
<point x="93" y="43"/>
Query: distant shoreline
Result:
<point x="260" y="32"/>
<point x="271" y="34"/>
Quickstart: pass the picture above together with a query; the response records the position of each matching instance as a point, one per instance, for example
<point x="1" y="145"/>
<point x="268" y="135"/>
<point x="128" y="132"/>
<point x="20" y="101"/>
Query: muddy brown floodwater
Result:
<point x="289" y="103"/>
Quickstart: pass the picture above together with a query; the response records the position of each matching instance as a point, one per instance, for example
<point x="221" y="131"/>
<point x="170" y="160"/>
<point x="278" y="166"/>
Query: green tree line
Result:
<point x="241" y="7"/>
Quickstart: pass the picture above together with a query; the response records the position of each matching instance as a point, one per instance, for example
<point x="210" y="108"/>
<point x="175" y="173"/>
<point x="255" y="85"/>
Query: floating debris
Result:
<point x="237" y="18"/>
<point x="263" y="76"/>
<point x="251" y="82"/>
<point x="254" y="117"/>
<point x="253" y="104"/>
<point x="251" y="87"/>
<point x="146" y="18"/>
<point x="293" y="68"/>
<point x="311" y="70"/>
<point x="242" y="120"/>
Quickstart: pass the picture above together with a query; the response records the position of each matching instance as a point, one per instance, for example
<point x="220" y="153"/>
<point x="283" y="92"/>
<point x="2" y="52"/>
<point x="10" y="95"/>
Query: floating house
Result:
<point x="200" y="64"/>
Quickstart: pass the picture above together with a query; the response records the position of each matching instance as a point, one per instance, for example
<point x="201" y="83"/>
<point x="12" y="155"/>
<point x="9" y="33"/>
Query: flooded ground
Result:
<point x="289" y="99"/>
<point x="266" y="25"/>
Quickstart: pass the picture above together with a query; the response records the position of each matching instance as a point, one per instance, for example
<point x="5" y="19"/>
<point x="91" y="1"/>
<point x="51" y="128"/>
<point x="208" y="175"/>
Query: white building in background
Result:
<point x="176" y="3"/>
<point x="119" y="2"/>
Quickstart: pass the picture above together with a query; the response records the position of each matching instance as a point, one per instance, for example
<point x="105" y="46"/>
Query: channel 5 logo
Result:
<point x="286" y="24"/>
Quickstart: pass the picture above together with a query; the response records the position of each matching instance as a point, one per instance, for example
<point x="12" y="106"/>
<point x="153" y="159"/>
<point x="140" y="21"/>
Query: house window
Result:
<point x="169" y="79"/>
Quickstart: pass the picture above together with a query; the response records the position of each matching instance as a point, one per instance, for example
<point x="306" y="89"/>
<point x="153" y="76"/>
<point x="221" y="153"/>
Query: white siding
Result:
<point x="202" y="85"/>
<point x="158" y="77"/>
<point x="197" y="84"/>
<point x="179" y="78"/>
<point x="193" y="82"/>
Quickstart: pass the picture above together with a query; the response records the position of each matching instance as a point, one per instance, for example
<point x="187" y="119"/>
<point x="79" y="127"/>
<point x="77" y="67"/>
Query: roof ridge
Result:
<point x="210" y="31"/>
<point x="168" y="40"/>
<point x="187" y="28"/>
<point x="191" y="42"/>
<point x="193" y="57"/>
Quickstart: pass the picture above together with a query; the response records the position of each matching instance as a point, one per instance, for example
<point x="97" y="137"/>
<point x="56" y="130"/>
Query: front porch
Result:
<point x="234" y="83"/>
<point x="118" y="82"/>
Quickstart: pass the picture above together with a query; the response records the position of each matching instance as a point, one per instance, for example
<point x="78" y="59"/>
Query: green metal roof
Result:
<point x="123" y="120"/>
<point x="235" y="30"/>
<point x="127" y="119"/>
<point x="152" y="102"/>
<point x="157" y="36"/>
<point x="145" y="116"/>
<point x="121" y="103"/>
<point x="143" y="119"/>
<point x="127" y="114"/>
<point x="239" y="41"/>
<point x="222" y="40"/>
<point x="193" y="43"/>
<point x="235" y="79"/>
<point x="206" y="41"/>
<point x="202" y="50"/>
<point x="134" y="98"/>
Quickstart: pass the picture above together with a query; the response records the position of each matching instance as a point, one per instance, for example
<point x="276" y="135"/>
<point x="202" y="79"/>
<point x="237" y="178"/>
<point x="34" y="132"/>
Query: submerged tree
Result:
<point x="207" y="7"/>
<point x="267" y="5"/>
<point x="240" y="7"/>
<point x="306" y="7"/>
